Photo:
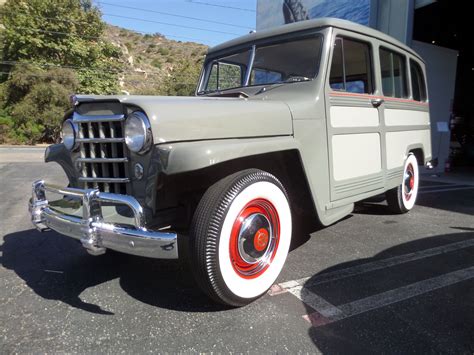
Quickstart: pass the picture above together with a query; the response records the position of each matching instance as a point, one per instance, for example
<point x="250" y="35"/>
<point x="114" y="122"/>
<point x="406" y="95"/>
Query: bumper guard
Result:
<point x="95" y="234"/>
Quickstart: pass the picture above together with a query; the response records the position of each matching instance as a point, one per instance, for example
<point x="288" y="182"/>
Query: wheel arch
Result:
<point x="191" y="181"/>
<point x="418" y="151"/>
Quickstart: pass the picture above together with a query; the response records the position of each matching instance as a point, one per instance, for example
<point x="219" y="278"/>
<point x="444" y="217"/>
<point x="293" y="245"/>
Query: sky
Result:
<point x="222" y="19"/>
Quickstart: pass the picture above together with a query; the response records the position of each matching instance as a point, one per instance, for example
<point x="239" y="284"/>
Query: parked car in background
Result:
<point x="288" y="125"/>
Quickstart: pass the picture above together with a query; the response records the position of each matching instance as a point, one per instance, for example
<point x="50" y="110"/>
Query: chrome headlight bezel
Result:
<point x="69" y="132"/>
<point x="137" y="133"/>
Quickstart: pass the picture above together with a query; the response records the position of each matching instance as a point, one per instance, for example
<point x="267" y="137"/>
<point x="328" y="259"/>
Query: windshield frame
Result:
<point x="252" y="48"/>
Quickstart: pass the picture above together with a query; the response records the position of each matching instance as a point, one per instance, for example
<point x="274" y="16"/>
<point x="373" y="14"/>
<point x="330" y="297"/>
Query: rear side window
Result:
<point x="394" y="74"/>
<point x="418" y="86"/>
<point x="351" y="67"/>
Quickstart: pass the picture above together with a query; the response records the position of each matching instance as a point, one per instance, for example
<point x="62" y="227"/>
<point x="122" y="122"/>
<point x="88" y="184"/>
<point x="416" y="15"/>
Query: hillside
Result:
<point x="153" y="62"/>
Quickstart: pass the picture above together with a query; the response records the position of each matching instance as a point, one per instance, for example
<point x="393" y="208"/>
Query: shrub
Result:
<point x="6" y="126"/>
<point x="37" y="100"/>
<point x="163" y="51"/>
<point x="129" y="46"/>
<point x="156" y="63"/>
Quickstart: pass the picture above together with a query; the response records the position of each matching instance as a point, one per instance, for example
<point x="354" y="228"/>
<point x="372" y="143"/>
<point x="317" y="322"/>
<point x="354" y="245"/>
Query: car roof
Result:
<point x="313" y="24"/>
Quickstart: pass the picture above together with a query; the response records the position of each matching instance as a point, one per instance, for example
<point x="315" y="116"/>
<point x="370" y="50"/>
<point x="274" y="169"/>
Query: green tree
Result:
<point x="65" y="33"/>
<point x="183" y="79"/>
<point x="36" y="101"/>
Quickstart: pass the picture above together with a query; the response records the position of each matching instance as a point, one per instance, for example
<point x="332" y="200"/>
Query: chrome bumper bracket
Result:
<point x="95" y="234"/>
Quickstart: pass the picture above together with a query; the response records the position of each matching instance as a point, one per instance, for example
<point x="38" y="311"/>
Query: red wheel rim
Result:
<point x="254" y="238"/>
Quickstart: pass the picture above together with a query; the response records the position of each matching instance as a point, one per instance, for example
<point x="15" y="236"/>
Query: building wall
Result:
<point x="272" y="13"/>
<point x="441" y="66"/>
<point x="394" y="17"/>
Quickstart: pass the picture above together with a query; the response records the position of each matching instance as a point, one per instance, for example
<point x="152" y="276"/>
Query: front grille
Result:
<point x="103" y="154"/>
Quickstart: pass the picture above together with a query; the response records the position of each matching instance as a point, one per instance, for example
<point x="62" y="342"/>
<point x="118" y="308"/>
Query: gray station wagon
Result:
<point x="288" y="126"/>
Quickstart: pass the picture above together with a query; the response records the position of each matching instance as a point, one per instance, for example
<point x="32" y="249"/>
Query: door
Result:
<point x="353" y="125"/>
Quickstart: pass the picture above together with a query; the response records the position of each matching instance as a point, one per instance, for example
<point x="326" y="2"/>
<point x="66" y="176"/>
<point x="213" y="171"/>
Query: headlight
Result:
<point x="138" y="132"/>
<point x="68" y="134"/>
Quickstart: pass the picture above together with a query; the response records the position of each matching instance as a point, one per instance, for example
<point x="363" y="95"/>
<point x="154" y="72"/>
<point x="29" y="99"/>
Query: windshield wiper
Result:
<point x="223" y="93"/>
<point x="240" y="94"/>
<point x="292" y="79"/>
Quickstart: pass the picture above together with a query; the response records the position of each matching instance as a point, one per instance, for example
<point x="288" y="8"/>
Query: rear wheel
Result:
<point x="402" y="198"/>
<point x="240" y="236"/>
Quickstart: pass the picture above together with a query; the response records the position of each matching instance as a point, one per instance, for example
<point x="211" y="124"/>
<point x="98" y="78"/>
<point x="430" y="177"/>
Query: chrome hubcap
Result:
<point x="409" y="181"/>
<point x="254" y="238"/>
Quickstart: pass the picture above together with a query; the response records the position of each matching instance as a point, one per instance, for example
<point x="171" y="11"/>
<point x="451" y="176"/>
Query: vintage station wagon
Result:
<point x="289" y="125"/>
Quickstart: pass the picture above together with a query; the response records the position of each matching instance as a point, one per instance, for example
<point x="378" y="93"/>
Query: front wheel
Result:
<point x="402" y="198"/>
<point x="240" y="236"/>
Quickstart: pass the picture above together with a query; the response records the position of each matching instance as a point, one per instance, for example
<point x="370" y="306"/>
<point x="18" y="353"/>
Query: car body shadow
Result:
<point x="438" y="321"/>
<point x="373" y="208"/>
<point x="58" y="268"/>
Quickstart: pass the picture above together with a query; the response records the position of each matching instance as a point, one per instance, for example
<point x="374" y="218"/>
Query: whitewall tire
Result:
<point x="240" y="236"/>
<point x="402" y="198"/>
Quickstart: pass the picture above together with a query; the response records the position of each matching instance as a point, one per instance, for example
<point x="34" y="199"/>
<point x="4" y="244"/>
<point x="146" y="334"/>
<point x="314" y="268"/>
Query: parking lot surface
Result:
<point x="371" y="283"/>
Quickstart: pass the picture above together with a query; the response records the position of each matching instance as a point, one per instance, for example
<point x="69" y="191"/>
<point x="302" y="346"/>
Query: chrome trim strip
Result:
<point x="101" y="140"/>
<point x="102" y="160"/>
<point x="95" y="234"/>
<point x="100" y="179"/>
<point x="76" y="117"/>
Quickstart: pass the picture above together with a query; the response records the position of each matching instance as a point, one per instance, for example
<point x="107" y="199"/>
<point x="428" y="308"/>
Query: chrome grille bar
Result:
<point x="103" y="160"/>
<point x="101" y="140"/>
<point x="103" y="118"/>
<point x="103" y="153"/>
<point x="102" y="179"/>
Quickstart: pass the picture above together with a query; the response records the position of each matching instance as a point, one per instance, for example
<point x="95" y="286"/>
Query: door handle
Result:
<point x="377" y="102"/>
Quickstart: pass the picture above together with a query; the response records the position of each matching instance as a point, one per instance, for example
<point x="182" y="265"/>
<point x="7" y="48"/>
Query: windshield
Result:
<point x="290" y="61"/>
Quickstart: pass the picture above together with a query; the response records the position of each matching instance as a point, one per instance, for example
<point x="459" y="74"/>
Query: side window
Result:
<point x="394" y="74"/>
<point x="227" y="72"/>
<point x="224" y="76"/>
<point x="418" y="86"/>
<point x="351" y="67"/>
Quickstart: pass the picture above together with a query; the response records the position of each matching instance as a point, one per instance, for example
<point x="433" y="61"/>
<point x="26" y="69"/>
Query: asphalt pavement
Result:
<point x="371" y="283"/>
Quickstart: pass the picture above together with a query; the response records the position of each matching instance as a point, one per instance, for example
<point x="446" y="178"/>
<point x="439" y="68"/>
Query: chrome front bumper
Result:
<point x="95" y="234"/>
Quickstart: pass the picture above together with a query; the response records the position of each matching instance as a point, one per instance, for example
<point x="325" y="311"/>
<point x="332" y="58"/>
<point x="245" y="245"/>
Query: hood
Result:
<point x="181" y="118"/>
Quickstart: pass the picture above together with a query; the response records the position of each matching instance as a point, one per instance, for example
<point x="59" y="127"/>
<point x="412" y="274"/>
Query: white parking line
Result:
<point x="325" y="312"/>
<point x="372" y="266"/>
<point x="323" y="316"/>
<point x="316" y="302"/>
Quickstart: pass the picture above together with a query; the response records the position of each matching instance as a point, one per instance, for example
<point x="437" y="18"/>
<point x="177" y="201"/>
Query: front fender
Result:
<point x="188" y="156"/>
<point x="61" y="155"/>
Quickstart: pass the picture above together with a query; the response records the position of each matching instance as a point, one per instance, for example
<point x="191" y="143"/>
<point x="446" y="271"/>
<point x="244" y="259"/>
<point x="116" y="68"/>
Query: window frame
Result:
<point x="372" y="81"/>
